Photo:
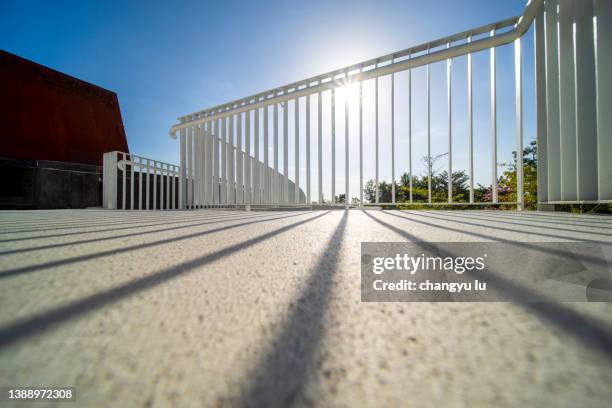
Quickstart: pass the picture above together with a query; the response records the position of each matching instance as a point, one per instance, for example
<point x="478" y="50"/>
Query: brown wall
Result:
<point x="47" y="115"/>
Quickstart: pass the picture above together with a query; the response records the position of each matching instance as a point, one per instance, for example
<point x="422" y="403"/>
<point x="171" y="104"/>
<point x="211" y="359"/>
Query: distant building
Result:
<point x="55" y="129"/>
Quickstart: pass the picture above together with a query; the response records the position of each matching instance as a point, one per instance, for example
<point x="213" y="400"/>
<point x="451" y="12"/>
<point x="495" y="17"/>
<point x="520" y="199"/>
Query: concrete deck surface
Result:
<point x="232" y="308"/>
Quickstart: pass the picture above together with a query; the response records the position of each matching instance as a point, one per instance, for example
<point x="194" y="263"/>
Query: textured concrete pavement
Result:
<point x="231" y="308"/>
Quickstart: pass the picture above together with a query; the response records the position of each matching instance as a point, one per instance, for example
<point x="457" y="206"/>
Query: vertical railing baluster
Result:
<point x="410" y="129"/>
<point x="224" y="160"/>
<point x="140" y="173"/>
<point x="275" y="179"/>
<point x="161" y="186"/>
<point x="470" y="124"/>
<point x="232" y="161"/>
<point x="603" y="69"/>
<point x="450" y="125"/>
<point x="239" y="162"/>
<point x="308" y="202"/>
<point x="167" y="186"/>
<point x="429" y="164"/>
<point x="148" y="186"/>
<point x="131" y="182"/>
<point x="539" y="42"/>
<point x="196" y="165"/>
<point x="189" y="169"/>
<point x="361" y="140"/>
<point x="182" y="178"/>
<point x="320" y="146"/>
<point x="203" y="162"/>
<point x="296" y="163"/>
<point x="247" y="157"/>
<point x="567" y="100"/>
<point x="552" y="102"/>
<point x="173" y="186"/>
<point x="266" y="175"/>
<point x="124" y="174"/>
<point x="206" y="159"/>
<point x="392" y="136"/>
<point x="346" y="149"/>
<point x="376" y="135"/>
<point x="154" y="185"/>
<point x="285" y="194"/>
<point x="256" y="169"/>
<point x="493" y="124"/>
<point x="333" y="146"/>
<point x="215" y="181"/>
<point x="586" y="117"/>
<point x="518" y="70"/>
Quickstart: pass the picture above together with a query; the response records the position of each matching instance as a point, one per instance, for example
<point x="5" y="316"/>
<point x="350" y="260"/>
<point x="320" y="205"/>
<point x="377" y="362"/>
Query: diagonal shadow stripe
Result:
<point x="46" y="321"/>
<point x="282" y="375"/>
<point x="138" y="225"/>
<point x="512" y="221"/>
<point x="132" y="234"/>
<point x="596" y="261"/>
<point x="580" y="220"/>
<point x="110" y="221"/>
<point x="590" y="331"/>
<point x="542" y="234"/>
<point x="117" y="251"/>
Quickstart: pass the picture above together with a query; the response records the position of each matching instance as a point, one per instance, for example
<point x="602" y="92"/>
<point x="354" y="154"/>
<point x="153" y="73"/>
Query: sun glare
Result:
<point x="349" y="91"/>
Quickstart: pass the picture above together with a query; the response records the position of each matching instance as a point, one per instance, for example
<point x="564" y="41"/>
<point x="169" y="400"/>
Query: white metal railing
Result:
<point x="134" y="182"/>
<point x="572" y="165"/>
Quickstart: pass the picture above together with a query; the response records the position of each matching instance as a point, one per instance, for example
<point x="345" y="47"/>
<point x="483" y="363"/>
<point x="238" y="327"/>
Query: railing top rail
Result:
<point x="152" y="162"/>
<point x="359" y="72"/>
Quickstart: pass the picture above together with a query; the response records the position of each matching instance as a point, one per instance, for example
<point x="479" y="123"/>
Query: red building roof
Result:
<point x="48" y="115"/>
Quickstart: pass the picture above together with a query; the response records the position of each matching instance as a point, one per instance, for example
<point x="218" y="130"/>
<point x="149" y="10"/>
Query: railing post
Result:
<point x="109" y="180"/>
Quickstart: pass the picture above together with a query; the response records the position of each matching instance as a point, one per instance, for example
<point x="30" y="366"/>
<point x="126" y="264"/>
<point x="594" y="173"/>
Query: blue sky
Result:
<point x="166" y="59"/>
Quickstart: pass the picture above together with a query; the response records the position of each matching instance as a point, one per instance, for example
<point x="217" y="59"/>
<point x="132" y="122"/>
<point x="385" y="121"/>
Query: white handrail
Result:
<point x="305" y="87"/>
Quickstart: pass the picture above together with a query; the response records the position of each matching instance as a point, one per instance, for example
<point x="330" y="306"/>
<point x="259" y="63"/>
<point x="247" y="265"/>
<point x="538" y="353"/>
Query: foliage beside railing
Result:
<point x="506" y="186"/>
